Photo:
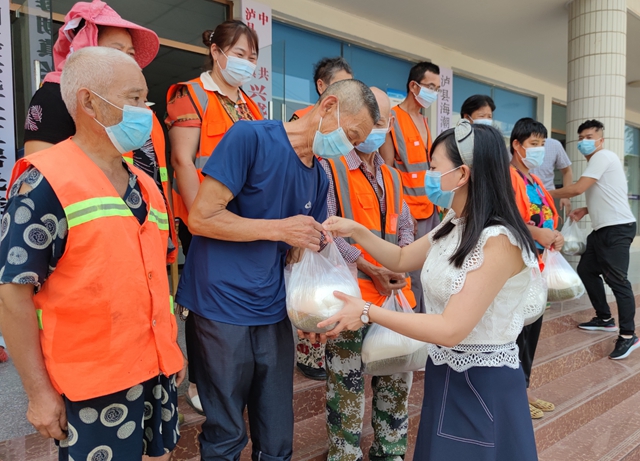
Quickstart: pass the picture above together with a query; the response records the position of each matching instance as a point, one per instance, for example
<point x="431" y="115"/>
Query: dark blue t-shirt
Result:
<point x="242" y="283"/>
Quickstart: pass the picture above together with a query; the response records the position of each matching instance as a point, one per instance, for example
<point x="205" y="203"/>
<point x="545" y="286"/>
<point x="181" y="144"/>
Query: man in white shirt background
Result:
<point x="614" y="228"/>
<point x="555" y="158"/>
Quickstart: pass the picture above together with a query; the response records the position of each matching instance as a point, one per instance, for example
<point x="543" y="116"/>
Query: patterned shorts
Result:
<point x="125" y="425"/>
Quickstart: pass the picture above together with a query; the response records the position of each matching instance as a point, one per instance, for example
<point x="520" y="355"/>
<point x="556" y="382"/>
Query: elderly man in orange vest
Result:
<point x="407" y="149"/>
<point x="363" y="188"/>
<point x="84" y="296"/>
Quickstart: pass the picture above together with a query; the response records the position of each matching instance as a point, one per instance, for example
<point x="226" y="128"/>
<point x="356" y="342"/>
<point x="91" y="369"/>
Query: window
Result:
<point x="510" y="106"/>
<point x="632" y="167"/>
<point x="377" y="69"/>
<point x="295" y="52"/>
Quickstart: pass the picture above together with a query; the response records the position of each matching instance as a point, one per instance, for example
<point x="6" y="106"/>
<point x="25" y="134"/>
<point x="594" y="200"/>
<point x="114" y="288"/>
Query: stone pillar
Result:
<point x="596" y="78"/>
<point x="596" y="74"/>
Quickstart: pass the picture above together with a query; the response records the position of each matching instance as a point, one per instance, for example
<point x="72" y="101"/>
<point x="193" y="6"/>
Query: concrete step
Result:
<point x="612" y="436"/>
<point x="564" y="348"/>
<point x="583" y="395"/>
<point x="564" y="353"/>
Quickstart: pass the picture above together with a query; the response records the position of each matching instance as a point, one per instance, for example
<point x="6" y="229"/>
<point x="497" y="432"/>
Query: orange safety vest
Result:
<point x="357" y="200"/>
<point x="412" y="162"/>
<point x="302" y="112"/>
<point x="105" y="314"/>
<point x="215" y="123"/>
<point x="159" y="147"/>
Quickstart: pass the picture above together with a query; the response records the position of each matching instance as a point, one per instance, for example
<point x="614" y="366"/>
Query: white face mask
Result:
<point x="483" y="121"/>
<point x="238" y="71"/>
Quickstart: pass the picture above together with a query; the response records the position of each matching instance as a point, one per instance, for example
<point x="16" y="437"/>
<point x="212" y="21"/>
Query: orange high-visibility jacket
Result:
<point x="159" y="147"/>
<point x="357" y="200"/>
<point x="412" y="162"/>
<point x="302" y="112"/>
<point x="215" y="123"/>
<point x="105" y="314"/>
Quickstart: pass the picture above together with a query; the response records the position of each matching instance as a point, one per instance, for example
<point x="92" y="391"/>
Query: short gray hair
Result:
<point x="93" y="68"/>
<point x="353" y="96"/>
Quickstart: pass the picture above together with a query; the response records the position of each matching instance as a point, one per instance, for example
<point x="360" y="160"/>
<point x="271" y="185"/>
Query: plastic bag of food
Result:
<point x="385" y="352"/>
<point x="575" y="239"/>
<point x="563" y="282"/>
<point x="310" y="284"/>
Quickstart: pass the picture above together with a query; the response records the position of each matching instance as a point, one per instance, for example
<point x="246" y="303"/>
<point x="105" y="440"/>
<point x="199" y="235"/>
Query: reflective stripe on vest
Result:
<point x="159" y="218"/>
<point x="94" y="208"/>
<point x="201" y="161"/>
<point x="201" y="96"/>
<point x="164" y="176"/>
<point x="104" y="207"/>
<point x="406" y="166"/>
<point x="127" y="159"/>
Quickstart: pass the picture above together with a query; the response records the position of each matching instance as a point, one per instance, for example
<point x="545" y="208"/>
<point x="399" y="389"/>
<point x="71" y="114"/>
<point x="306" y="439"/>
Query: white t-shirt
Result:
<point x="607" y="199"/>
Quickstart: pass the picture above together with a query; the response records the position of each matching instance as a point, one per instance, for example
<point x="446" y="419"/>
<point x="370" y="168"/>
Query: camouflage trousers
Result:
<point x="311" y="355"/>
<point x="346" y="402"/>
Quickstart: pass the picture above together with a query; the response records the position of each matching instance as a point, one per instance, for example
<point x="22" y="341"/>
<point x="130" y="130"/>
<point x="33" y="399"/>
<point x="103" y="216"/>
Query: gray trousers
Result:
<point x="424" y="227"/>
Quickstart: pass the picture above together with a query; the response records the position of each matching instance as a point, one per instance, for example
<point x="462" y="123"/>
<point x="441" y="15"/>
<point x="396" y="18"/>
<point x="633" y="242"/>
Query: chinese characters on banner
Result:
<point x="445" y="100"/>
<point x="40" y="41"/>
<point x="7" y="136"/>
<point x="258" y="17"/>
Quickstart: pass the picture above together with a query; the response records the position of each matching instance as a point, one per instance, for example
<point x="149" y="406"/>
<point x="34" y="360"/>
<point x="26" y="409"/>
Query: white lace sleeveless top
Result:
<point x="492" y="342"/>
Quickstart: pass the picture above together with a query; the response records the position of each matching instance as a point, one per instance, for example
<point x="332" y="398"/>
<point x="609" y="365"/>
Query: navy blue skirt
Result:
<point x="481" y="414"/>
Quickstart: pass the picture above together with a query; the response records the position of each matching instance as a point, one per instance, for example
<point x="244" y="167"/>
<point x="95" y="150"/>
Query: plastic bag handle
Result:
<point x="402" y="299"/>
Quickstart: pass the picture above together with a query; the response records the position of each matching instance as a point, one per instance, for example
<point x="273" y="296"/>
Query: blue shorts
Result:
<point x="125" y="425"/>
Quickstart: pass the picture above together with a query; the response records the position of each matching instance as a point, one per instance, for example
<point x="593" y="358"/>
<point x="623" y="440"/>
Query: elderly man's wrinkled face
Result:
<point x="356" y="126"/>
<point x="128" y="87"/>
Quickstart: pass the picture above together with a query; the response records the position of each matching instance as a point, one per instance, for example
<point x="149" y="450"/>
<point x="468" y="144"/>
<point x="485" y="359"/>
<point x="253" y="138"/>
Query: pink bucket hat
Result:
<point x="98" y="13"/>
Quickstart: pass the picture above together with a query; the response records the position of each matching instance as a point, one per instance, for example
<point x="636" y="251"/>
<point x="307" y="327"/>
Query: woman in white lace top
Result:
<point x="482" y="283"/>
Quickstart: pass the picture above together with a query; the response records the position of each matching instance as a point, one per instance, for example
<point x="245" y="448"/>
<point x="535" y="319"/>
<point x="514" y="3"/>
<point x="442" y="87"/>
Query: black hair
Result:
<point x="476" y="102"/>
<point x="524" y="129"/>
<point x="591" y="124"/>
<point x="326" y="68"/>
<point x="227" y="35"/>
<point x="417" y="72"/>
<point x="491" y="198"/>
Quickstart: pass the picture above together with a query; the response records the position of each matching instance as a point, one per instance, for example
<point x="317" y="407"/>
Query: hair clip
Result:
<point x="465" y="141"/>
<point x="211" y="37"/>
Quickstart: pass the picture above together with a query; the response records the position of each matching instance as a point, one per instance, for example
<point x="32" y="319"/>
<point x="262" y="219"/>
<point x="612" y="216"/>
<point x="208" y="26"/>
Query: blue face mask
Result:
<point x="134" y="129"/>
<point x="334" y="144"/>
<point x="373" y="142"/>
<point x="587" y="146"/>
<point x="534" y="158"/>
<point x="426" y="97"/>
<point x="238" y="71"/>
<point x="483" y="121"/>
<point x="433" y="189"/>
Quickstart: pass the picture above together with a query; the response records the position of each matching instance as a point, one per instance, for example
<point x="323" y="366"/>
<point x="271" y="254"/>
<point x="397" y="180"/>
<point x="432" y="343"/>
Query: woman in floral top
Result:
<point x="539" y="213"/>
